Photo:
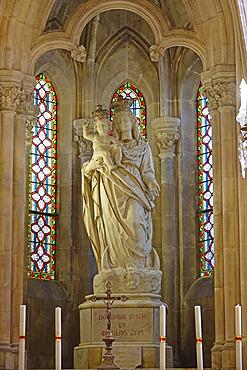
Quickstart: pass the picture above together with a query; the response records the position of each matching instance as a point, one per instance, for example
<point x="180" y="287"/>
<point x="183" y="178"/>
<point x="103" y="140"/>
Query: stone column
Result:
<point x="166" y="134"/>
<point x="218" y="232"/>
<point x="221" y="95"/>
<point x="25" y="111"/>
<point x="229" y="152"/>
<point x="8" y="97"/>
<point x="14" y="103"/>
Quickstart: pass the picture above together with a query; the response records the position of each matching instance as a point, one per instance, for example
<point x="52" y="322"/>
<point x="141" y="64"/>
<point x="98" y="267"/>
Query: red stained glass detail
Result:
<point x="138" y="108"/>
<point x="42" y="185"/>
<point x="41" y="197"/>
<point x="205" y="186"/>
<point x="40" y="228"/>
<point x="40" y="258"/>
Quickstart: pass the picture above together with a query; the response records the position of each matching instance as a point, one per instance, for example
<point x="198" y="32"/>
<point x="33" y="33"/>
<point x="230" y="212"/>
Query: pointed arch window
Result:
<point x="205" y="186"/>
<point x="130" y="91"/>
<point x="43" y="183"/>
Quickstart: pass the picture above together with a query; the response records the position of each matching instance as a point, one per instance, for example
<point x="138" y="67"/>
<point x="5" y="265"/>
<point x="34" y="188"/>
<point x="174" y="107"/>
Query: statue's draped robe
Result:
<point x="117" y="209"/>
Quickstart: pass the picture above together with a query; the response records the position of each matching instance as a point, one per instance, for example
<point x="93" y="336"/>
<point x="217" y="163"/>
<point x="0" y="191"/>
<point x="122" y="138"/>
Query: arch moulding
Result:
<point x="185" y="38"/>
<point x="70" y="38"/>
<point x="152" y="14"/>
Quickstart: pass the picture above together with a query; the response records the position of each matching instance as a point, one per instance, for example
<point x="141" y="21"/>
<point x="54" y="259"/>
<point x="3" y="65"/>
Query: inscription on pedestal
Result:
<point x="128" y="325"/>
<point x="127" y="357"/>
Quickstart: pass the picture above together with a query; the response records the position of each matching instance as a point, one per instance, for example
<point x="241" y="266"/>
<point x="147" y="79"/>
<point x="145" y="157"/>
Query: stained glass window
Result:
<point x="205" y="186"/>
<point x="129" y="91"/>
<point x="43" y="183"/>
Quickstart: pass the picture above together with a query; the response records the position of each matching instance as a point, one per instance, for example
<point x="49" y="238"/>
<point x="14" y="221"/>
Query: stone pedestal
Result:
<point x="135" y="327"/>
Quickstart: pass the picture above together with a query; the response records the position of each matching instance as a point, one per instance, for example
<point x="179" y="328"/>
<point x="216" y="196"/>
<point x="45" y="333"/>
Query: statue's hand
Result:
<point x="90" y="166"/>
<point x="99" y="163"/>
<point x="153" y="188"/>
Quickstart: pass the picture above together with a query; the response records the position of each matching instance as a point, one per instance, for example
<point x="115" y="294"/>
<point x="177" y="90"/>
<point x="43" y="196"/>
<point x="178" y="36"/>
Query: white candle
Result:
<point x="238" y="337"/>
<point x="22" y="338"/>
<point x="198" y="325"/>
<point x="58" y="339"/>
<point x="162" y="337"/>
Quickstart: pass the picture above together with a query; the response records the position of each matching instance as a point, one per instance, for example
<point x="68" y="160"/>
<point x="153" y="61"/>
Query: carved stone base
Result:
<point x="8" y="357"/>
<point x="128" y="281"/>
<point x="217" y="356"/>
<point x="229" y="355"/>
<point x="135" y="327"/>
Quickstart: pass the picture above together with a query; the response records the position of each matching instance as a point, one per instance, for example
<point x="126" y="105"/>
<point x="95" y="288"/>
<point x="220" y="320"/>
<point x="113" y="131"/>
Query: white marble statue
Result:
<point x="105" y="146"/>
<point x="119" y="194"/>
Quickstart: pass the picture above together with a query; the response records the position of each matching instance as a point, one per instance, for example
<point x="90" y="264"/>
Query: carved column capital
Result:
<point x="156" y="52"/>
<point x="166" y="140"/>
<point x="8" y="97"/>
<point x="212" y="95"/>
<point x="228" y="94"/>
<point x="79" y="54"/>
<point x="166" y="133"/>
<point x="85" y="146"/>
<point x="15" y="98"/>
<point x="24" y="102"/>
<point x="220" y="94"/>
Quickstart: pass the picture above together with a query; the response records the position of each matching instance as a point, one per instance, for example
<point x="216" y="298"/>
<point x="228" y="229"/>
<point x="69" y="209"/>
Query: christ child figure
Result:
<point x="105" y="146"/>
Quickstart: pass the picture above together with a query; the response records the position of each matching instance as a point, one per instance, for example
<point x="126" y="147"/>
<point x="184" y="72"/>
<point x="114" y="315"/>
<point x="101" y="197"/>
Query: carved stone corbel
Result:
<point x="156" y="52"/>
<point x="79" y="54"/>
